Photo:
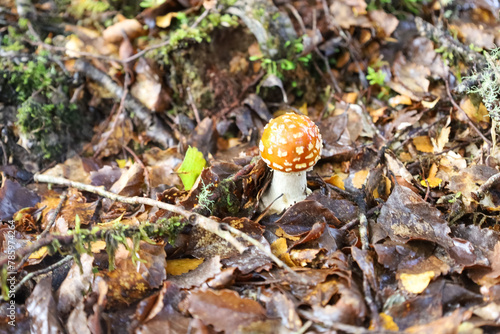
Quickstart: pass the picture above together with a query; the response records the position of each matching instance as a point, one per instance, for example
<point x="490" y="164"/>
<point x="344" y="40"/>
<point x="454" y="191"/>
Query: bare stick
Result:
<point x="471" y="124"/>
<point x="493" y="180"/>
<point x="197" y="219"/>
<point x="42" y="271"/>
<point x="53" y="220"/>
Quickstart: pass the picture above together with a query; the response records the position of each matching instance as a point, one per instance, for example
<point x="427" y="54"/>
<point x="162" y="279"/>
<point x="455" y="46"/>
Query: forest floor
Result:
<point x="132" y="178"/>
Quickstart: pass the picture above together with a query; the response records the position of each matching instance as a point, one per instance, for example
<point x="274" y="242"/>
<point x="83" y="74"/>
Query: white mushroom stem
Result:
<point x="293" y="186"/>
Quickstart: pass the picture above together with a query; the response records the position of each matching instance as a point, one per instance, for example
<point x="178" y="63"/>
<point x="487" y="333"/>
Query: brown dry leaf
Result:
<point x="182" y="266"/>
<point x="443" y="138"/>
<point x="148" y="86"/>
<point x="409" y="78"/>
<point x="118" y="133"/>
<point x="385" y="22"/>
<point x="225" y="310"/>
<point x="131" y="27"/>
<point x="281" y="307"/>
<point x="42" y="308"/>
<point x="76" y="284"/>
<point x="301" y="217"/>
<point x="14" y="197"/>
<point x="405" y="216"/>
<point x="350" y="13"/>
<point x="130" y="281"/>
<point x="423" y="144"/>
<point x="74" y="169"/>
<point x="349" y="308"/>
<point x="199" y="275"/>
<point x="445" y="325"/>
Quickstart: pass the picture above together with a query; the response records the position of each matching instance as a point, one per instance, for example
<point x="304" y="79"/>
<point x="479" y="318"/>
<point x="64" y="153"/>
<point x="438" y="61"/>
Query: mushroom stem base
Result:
<point x="293" y="186"/>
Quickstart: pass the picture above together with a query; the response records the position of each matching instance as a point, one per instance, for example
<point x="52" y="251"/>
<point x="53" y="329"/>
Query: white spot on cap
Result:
<point x="292" y="126"/>
<point x="261" y="146"/>
<point x="298" y="135"/>
<point x="310" y="155"/>
<point x="311" y="163"/>
<point x="269" y="151"/>
<point x="286" y="163"/>
<point x="300" y="166"/>
<point x="275" y="165"/>
<point x="267" y="162"/>
<point x="282" y="141"/>
<point x="288" y="169"/>
<point x="310" y="146"/>
<point x="296" y="159"/>
<point x="299" y="150"/>
<point x="281" y="153"/>
<point x="318" y="144"/>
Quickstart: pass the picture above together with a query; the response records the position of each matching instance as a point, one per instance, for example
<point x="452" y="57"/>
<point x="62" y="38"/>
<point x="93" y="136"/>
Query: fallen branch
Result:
<point x="194" y="218"/>
<point x="146" y="118"/>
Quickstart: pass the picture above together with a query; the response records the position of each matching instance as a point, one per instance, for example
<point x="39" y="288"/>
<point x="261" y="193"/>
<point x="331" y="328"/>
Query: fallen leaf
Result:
<point x="182" y="266"/>
<point x="423" y="144"/>
<point x="225" y="310"/>
<point x="416" y="283"/>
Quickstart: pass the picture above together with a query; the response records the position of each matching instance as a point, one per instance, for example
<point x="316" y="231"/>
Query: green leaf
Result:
<point x="191" y="167"/>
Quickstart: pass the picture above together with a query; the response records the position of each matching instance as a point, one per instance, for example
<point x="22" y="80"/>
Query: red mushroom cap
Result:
<point x="290" y="143"/>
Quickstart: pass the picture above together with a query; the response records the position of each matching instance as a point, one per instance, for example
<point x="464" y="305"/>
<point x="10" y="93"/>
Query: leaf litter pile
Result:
<point x="132" y="180"/>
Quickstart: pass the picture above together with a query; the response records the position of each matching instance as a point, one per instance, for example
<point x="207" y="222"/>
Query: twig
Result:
<point x="193" y="105"/>
<point x="42" y="271"/>
<point x="471" y="124"/>
<point x="56" y="213"/>
<point x="493" y="180"/>
<point x="196" y="219"/>
<point x="150" y="121"/>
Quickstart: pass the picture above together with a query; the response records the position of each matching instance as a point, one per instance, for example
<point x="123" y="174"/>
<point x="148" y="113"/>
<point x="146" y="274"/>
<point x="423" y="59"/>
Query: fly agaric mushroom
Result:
<point x="290" y="145"/>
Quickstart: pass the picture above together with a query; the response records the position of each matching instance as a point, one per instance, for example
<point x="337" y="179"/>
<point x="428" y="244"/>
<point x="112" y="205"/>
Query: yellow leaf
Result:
<point x="387" y="323"/>
<point x="433" y="182"/>
<point x="479" y="114"/>
<point x="165" y="20"/>
<point x="337" y="181"/>
<point x="432" y="179"/>
<point x="39" y="253"/>
<point x="399" y="99"/>
<point x="431" y="104"/>
<point x="405" y="157"/>
<point x="97" y="246"/>
<point x="360" y="178"/>
<point x="350" y="97"/>
<point x="182" y="266"/>
<point x="279" y="247"/>
<point x="423" y="144"/>
<point x="281" y="233"/>
<point x="121" y="163"/>
<point x="416" y="283"/>
<point x="303" y="109"/>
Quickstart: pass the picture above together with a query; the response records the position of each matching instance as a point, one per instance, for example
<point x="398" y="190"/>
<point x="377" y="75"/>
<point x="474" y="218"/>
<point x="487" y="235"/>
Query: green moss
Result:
<point x="45" y="118"/>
